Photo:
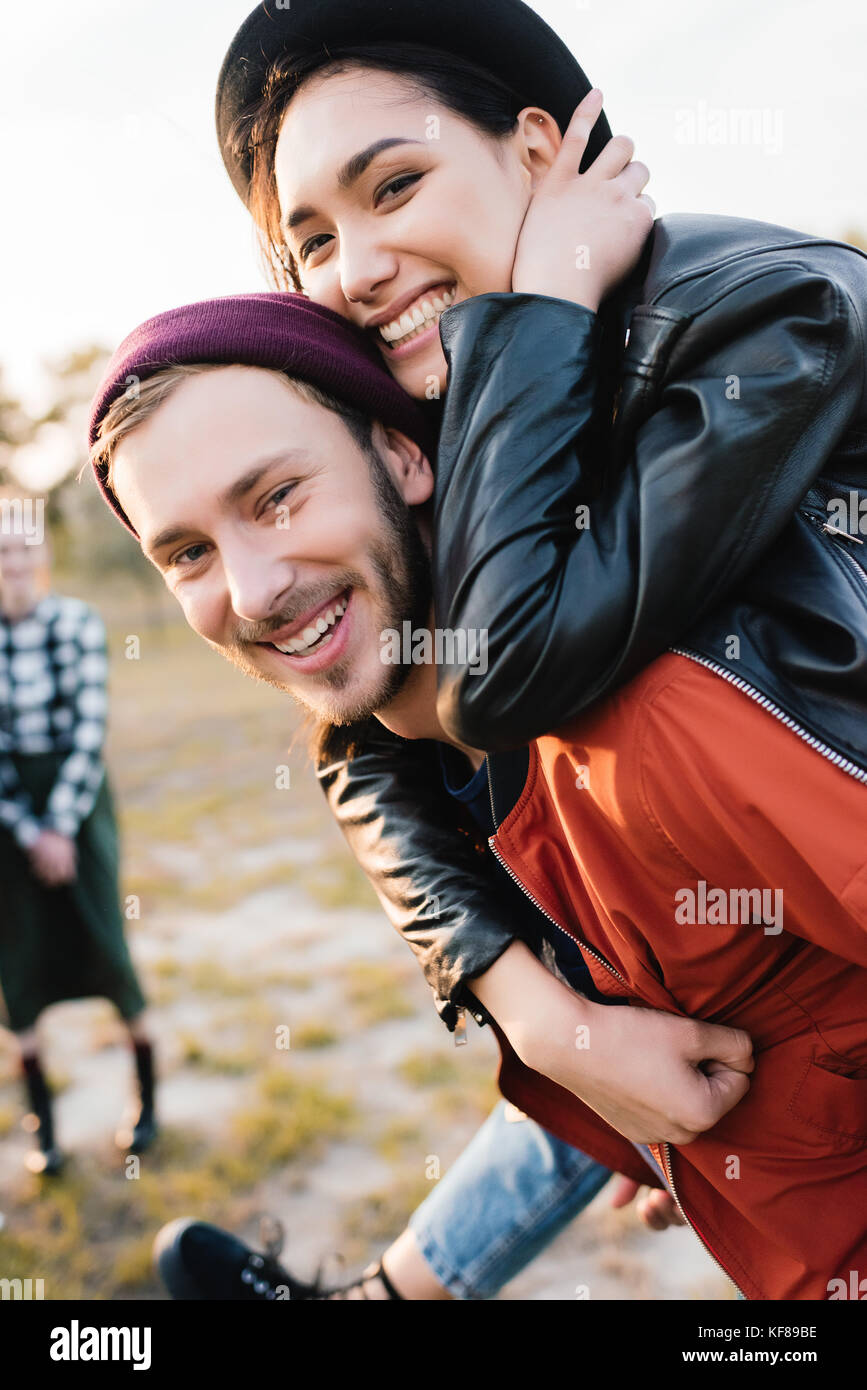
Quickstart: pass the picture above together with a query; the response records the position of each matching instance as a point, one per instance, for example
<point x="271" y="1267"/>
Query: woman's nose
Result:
<point x="364" y="270"/>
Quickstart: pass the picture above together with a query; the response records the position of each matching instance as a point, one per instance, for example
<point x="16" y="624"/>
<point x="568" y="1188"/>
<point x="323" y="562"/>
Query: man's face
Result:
<point x="274" y="531"/>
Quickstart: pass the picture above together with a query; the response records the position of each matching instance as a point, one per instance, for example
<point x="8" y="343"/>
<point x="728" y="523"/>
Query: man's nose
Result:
<point x="257" y="586"/>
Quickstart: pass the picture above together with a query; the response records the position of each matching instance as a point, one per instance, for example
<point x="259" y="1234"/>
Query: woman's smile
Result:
<point x="417" y="322"/>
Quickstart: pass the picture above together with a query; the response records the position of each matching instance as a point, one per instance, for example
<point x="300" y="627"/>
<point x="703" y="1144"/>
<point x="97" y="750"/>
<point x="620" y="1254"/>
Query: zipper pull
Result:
<point x="461" y="1038"/>
<point x="836" y="531"/>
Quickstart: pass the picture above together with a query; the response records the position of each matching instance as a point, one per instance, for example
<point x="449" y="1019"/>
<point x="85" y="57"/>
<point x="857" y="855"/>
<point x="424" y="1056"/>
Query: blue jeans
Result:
<point x="512" y="1190"/>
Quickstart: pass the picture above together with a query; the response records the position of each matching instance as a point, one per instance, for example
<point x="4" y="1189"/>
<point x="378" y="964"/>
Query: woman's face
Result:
<point x="395" y="208"/>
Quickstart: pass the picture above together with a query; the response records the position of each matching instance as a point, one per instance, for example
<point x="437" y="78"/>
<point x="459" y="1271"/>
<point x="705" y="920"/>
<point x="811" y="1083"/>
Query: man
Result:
<point x="201" y="467"/>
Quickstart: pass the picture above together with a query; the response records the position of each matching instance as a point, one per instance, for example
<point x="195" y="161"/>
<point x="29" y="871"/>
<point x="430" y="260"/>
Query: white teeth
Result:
<point x="419" y="316"/>
<point x="312" y="635"/>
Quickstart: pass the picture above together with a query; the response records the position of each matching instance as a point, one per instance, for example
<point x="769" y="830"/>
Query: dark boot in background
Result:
<point x="140" y="1129"/>
<point x="47" y="1157"/>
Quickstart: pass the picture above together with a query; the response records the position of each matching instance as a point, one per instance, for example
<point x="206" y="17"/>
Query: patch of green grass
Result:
<point x="397" y="1137"/>
<point x="429" y="1069"/>
<point x="335" y="881"/>
<point x="312" y="1035"/>
<point x="376" y="992"/>
<point x="49" y="1241"/>
<point x="219" y="1061"/>
<point x="176" y="818"/>
<point x="165" y="968"/>
<point x="133" y="1265"/>
<point x="222" y="892"/>
<point x="290" y="1117"/>
<point x="286" y="979"/>
<point x="210" y="977"/>
<point x="378" y="1218"/>
<point x="155" y="891"/>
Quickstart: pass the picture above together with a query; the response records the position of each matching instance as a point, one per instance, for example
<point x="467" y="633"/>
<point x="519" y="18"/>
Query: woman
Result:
<point x="61" y="930"/>
<point x="388" y="177"/>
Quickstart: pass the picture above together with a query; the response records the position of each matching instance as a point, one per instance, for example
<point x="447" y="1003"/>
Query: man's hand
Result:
<point x="584" y="233"/>
<point x="53" y="859"/>
<point x="655" y="1077"/>
<point x="657" y="1209"/>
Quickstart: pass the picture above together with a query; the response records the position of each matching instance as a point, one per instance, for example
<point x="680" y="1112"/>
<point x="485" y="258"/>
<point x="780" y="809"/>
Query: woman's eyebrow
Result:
<point x="349" y="174"/>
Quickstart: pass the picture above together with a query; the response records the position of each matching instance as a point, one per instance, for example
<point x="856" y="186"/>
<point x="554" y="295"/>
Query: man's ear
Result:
<point x="408" y="464"/>
<point x="538" y="142"/>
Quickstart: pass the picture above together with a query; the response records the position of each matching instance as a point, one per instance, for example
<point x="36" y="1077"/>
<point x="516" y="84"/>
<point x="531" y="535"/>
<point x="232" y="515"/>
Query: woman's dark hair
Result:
<point x="460" y="86"/>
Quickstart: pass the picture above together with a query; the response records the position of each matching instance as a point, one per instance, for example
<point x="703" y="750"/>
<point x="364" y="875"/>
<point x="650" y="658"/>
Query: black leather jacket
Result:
<point x="706" y="450"/>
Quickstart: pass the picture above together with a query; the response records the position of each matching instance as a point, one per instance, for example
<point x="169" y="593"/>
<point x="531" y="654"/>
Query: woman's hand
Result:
<point x="657" y="1209"/>
<point x="584" y="233"/>
<point x="53" y="859"/>
<point x="655" y="1077"/>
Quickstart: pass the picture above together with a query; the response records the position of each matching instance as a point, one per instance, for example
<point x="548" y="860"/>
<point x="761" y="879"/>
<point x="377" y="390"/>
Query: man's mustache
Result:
<point x="304" y="601"/>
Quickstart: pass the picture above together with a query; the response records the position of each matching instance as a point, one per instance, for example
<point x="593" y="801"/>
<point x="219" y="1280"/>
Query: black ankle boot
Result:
<point x="47" y="1158"/>
<point x="199" y="1261"/>
<point x="140" y="1130"/>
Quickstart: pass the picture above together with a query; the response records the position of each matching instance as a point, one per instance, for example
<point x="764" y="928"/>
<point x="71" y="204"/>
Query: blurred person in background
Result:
<point x="61" y="924"/>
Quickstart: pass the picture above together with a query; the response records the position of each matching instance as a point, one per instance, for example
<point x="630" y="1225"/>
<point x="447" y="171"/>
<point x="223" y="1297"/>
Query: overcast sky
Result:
<point x="116" y="205"/>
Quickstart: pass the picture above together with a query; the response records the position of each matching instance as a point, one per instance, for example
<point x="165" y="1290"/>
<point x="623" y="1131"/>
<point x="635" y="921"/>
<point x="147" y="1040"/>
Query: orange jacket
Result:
<point x="629" y="820"/>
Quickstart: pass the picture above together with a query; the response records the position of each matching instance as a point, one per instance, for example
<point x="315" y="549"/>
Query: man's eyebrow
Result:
<point x="351" y="171"/>
<point x="236" y="492"/>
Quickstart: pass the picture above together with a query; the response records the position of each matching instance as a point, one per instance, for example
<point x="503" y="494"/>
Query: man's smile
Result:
<point x="317" y="640"/>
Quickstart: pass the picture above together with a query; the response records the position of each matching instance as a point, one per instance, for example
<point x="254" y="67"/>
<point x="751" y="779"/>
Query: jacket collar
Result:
<point x="507" y="777"/>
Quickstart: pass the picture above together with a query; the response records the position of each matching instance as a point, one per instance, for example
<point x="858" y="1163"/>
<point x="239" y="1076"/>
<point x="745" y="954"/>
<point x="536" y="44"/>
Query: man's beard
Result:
<point x="402" y="565"/>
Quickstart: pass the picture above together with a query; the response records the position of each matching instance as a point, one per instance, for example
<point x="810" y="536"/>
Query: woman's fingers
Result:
<point x="613" y="159"/>
<point x="634" y="178"/>
<point x="571" y="152"/>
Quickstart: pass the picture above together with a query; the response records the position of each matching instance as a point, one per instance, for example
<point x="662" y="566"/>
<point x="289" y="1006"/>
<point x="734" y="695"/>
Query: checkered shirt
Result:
<point x="53" y="673"/>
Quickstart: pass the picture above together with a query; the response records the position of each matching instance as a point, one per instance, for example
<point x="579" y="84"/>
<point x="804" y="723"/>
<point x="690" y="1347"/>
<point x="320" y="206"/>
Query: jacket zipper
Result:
<point x="815" y="518"/>
<point x="538" y="906"/>
<point x="603" y="961"/>
<point x="574" y="940"/>
<point x="845" y="764"/>
<point x="666" y="1156"/>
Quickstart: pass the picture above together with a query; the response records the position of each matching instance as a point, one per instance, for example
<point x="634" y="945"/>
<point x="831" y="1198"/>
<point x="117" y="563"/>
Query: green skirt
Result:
<point x="68" y="942"/>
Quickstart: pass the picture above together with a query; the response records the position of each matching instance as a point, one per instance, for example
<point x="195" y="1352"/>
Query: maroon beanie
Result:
<point x="282" y="331"/>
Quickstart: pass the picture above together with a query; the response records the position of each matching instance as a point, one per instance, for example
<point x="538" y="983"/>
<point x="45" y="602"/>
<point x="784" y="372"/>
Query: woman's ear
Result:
<point x="408" y="464"/>
<point x="539" y="139"/>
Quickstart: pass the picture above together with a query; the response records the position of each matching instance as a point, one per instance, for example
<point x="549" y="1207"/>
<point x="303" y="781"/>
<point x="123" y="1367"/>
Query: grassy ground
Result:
<point x="303" y="1070"/>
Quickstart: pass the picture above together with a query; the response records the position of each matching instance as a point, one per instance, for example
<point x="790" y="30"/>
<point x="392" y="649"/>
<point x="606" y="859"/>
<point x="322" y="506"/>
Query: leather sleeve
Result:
<point x="757" y="392"/>
<point x="438" y="885"/>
